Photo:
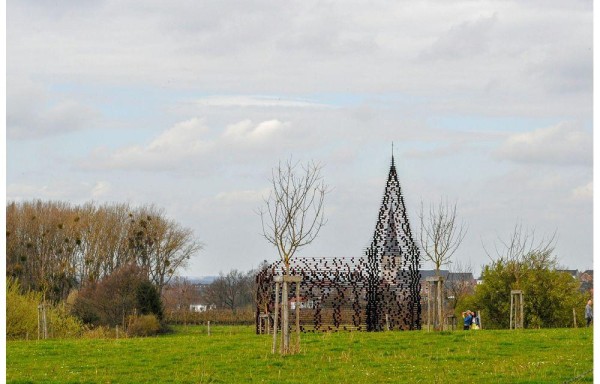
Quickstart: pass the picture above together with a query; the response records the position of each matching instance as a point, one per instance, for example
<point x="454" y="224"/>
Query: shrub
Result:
<point x="99" y="333"/>
<point x="21" y="311"/>
<point x="62" y="324"/>
<point x="145" y="325"/>
<point x="116" y="297"/>
<point x="148" y="299"/>
<point x="22" y="315"/>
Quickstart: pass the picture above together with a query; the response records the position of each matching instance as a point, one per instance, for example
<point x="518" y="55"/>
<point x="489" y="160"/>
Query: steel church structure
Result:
<point x="377" y="291"/>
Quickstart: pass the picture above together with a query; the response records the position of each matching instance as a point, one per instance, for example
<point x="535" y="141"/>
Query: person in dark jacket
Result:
<point x="589" y="313"/>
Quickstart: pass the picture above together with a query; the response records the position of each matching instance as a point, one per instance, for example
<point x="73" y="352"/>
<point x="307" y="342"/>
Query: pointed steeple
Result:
<point x="394" y="253"/>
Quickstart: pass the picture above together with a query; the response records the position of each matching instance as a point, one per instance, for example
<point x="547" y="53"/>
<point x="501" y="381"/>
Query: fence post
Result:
<point x="208" y="327"/>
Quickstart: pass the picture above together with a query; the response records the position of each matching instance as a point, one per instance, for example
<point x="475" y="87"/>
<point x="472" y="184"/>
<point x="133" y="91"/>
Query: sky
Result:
<point x="189" y="105"/>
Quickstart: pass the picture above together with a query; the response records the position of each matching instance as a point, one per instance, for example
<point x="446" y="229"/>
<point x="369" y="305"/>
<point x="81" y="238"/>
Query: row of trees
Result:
<point x="231" y="291"/>
<point x="229" y="299"/>
<point x="54" y="247"/>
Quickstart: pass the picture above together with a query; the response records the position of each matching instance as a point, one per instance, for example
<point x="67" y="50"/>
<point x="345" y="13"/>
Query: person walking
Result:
<point x="589" y="313"/>
<point x="475" y="324"/>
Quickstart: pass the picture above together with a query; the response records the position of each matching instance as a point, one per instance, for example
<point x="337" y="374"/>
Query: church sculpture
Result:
<point x="377" y="291"/>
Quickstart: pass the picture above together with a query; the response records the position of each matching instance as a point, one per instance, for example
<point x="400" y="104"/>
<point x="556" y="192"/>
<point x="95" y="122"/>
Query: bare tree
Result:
<point x="459" y="285"/>
<point x="231" y="290"/>
<point x="54" y="247"/>
<point x="294" y="210"/>
<point x="293" y="216"/>
<point x="177" y="297"/>
<point x="441" y="233"/>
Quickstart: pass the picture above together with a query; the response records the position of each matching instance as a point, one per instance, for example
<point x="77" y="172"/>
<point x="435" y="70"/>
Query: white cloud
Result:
<point x="561" y="144"/>
<point x="182" y="142"/>
<point x="583" y="192"/>
<point x="189" y="141"/>
<point x="185" y="136"/>
<point x="248" y="132"/>
<point x="101" y="189"/>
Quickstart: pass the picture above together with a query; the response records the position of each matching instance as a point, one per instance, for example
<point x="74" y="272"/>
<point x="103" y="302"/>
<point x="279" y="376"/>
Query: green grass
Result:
<point x="234" y="354"/>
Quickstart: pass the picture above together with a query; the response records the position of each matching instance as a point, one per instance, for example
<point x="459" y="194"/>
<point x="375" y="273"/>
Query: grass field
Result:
<point x="234" y="354"/>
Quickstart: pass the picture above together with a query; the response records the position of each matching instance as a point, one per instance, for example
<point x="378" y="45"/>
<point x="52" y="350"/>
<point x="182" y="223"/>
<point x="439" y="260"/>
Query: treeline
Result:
<point x="55" y="247"/>
<point x="229" y="299"/>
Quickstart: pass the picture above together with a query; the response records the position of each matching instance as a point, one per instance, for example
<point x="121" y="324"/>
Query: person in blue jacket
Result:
<point x="468" y="319"/>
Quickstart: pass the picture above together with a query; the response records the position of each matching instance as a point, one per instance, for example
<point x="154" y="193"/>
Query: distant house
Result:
<point x="450" y="279"/>
<point x="201" y="307"/>
<point x="586" y="278"/>
<point x="572" y="272"/>
<point x="303" y="303"/>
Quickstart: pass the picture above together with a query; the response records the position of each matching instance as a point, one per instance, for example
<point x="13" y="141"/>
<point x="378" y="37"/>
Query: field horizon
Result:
<point x="235" y="354"/>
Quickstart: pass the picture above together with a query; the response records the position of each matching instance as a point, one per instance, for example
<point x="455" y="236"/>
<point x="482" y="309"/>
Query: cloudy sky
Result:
<point x="190" y="104"/>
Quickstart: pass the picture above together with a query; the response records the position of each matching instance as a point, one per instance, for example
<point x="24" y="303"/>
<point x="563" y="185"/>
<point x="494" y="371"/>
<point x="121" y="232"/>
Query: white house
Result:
<point x="201" y="307"/>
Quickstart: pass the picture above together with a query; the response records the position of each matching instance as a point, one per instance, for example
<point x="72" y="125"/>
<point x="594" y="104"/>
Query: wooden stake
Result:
<point x="429" y="309"/>
<point x="522" y="311"/>
<point x="298" y="316"/>
<point x="440" y="302"/>
<point x="510" y="326"/>
<point x="275" y="317"/>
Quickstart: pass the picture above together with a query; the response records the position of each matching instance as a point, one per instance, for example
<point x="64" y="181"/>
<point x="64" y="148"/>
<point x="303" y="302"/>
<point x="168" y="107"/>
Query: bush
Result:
<point x="21" y="311"/>
<point x="148" y="299"/>
<point x="119" y="295"/>
<point x="22" y="315"/>
<point x="62" y="324"/>
<point x="549" y="295"/>
<point x="99" y="333"/>
<point x="145" y="325"/>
